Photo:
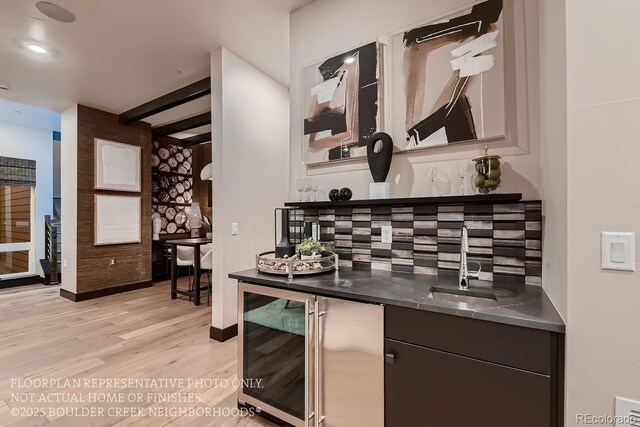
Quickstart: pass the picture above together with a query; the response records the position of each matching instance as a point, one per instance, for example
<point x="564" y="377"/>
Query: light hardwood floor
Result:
<point x="141" y="334"/>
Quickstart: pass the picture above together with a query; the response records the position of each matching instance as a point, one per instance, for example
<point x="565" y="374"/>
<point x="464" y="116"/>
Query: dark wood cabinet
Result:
<point x="448" y="371"/>
<point x="160" y="261"/>
<point x="432" y="388"/>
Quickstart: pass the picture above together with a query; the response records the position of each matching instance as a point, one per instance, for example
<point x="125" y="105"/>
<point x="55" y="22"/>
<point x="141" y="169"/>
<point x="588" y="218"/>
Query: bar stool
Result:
<point x="184" y="258"/>
<point x="205" y="248"/>
<point x="206" y="264"/>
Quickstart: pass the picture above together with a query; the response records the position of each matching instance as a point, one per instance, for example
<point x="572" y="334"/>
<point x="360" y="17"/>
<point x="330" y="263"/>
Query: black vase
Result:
<point x="334" y="195"/>
<point x="346" y="193"/>
<point x="284" y="246"/>
<point x="379" y="162"/>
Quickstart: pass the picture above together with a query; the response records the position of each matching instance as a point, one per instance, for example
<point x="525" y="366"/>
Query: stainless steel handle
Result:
<point x="275" y="226"/>
<point x="318" y="361"/>
<point x="307" y="369"/>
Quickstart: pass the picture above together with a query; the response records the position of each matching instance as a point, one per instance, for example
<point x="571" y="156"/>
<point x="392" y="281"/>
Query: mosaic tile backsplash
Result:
<point x="504" y="238"/>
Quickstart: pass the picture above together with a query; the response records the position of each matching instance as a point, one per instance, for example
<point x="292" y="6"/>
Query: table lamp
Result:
<point x="195" y="219"/>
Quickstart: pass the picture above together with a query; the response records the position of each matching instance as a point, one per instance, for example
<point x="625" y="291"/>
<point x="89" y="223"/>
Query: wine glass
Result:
<point x="315" y="188"/>
<point x="308" y="188"/>
<point x="463" y="171"/>
<point x="300" y="187"/>
<point x="440" y="182"/>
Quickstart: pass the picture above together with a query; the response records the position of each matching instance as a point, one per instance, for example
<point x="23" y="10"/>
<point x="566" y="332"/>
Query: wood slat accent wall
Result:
<point x="133" y="261"/>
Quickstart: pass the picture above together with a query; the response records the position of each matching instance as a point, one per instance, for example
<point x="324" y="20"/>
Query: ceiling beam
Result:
<point x="182" y="125"/>
<point x="173" y="99"/>
<point x="168" y="140"/>
<point x="198" y="139"/>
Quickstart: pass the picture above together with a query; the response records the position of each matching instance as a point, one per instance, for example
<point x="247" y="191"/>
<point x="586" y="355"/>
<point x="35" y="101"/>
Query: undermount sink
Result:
<point x="470" y="297"/>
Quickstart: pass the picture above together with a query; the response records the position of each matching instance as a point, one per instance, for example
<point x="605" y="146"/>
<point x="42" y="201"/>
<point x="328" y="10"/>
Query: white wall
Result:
<point x="328" y="27"/>
<point x="603" y="195"/>
<point x="69" y="193"/>
<point x="23" y="142"/>
<point x="553" y="140"/>
<point x="250" y="170"/>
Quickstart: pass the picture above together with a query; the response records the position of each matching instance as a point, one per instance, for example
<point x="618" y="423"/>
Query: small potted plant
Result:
<point x="310" y="249"/>
<point x="206" y="223"/>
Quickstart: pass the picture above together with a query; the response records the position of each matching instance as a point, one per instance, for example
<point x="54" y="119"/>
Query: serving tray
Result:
<point x="267" y="262"/>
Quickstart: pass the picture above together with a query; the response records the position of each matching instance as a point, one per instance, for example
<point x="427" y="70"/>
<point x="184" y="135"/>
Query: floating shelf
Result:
<point x="412" y="201"/>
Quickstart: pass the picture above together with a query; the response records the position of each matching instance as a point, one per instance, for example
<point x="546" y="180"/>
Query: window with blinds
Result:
<point x="17" y="171"/>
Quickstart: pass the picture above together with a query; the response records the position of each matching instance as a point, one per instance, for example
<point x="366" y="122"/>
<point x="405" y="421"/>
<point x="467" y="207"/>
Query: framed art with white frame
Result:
<point x="117" y="166"/>
<point x="117" y="220"/>
<point x="453" y="78"/>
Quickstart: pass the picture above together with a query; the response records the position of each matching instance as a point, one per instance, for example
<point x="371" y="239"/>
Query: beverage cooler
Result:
<point x="310" y="360"/>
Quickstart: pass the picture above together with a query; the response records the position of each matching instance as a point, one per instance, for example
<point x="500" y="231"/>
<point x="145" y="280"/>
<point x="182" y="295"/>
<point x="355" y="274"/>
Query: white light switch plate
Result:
<point x="387" y="234"/>
<point x="619" y="251"/>
<point x="234" y="229"/>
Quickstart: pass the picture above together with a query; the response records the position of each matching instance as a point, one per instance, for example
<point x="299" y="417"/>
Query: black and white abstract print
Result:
<point x="449" y="78"/>
<point x="340" y="105"/>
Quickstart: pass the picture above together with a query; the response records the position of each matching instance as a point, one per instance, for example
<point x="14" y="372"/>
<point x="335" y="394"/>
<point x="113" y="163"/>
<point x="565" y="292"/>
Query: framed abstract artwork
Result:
<point x="117" y="166"/>
<point x="448" y="83"/>
<point x="341" y="105"/>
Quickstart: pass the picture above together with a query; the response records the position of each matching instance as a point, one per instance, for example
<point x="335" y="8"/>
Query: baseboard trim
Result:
<point x="83" y="296"/>
<point x="21" y="281"/>
<point x="223" y="334"/>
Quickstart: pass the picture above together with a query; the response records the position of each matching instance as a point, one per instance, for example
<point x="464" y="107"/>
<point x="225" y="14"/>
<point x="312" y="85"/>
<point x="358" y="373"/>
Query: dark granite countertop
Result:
<point x="525" y="306"/>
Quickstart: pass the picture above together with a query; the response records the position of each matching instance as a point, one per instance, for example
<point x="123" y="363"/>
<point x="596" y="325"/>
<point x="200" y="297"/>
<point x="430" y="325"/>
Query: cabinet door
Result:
<point x="425" y="387"/>
<point x="351" y="364"/>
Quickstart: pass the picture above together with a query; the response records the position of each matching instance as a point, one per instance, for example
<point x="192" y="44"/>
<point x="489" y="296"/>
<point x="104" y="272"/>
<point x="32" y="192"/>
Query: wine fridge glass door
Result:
<point x="276" y="329"/>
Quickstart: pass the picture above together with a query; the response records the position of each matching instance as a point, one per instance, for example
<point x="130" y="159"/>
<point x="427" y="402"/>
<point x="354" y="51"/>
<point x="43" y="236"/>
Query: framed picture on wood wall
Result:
<point x="117" y="220"/>
<point x="117" y="166"/>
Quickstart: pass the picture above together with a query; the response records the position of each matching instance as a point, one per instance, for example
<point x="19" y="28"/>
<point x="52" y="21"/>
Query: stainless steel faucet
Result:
<point x="464" y="275"/>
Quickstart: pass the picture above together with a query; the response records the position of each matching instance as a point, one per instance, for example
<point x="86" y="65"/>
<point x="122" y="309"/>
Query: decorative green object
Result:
<point x="310" y="247"/>
<point x="206" y="223"/>
<point x="488" y="170"/>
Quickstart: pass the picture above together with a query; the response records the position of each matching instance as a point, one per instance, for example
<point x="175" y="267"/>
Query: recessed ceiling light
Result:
<point x="36" y="48"/>
<point x="55" y="12"/>
<point x="350" y="60"/>
<point x="177" y="71"/>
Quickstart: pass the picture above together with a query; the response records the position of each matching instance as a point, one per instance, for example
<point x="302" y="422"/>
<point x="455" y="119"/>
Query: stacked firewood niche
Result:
<point x="172" y="185"/>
